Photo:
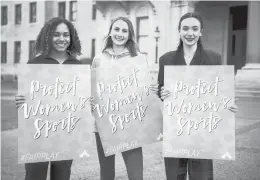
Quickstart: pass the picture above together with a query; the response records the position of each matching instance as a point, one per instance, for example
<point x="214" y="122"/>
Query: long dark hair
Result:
<point x="44" y="39"/>
<point x="189" y="15"/>
<point x="131" y="45"/>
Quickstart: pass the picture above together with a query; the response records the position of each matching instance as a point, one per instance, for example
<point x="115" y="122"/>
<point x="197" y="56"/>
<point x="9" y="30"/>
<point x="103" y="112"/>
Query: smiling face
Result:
<point x="190" y="31"/>
<point x="61" y="38"/>
<point x="119" y="33"/>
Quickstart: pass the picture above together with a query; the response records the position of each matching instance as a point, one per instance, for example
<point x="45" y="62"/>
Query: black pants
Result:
<point x="133" y="161"/>
<point x="198" y="169"/>
<point x="60" y="170"/>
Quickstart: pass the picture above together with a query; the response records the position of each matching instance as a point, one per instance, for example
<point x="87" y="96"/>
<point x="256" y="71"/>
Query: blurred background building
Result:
<point x="231" y="28"/>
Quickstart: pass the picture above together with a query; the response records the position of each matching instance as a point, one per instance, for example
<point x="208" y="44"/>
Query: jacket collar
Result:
<point x="200" y="57"/>
<point x="70" y="58"/>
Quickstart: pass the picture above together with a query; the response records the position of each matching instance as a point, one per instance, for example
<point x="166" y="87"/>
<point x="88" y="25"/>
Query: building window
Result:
<point x="94" y="12"/>
<point x="31" y="50"/>
<point x="73" y="10"/>
<point x="239" y="15"/>
<point x="142" y="33"/>
<point x="3" y="52"/>
<point x="18" y="13"/>
<point x="33" y="12"/>
<point x="4" y="15"/>
<point x="62" y="9"/>
<point x="93" y="48"/>
<point x="17" y="51"/>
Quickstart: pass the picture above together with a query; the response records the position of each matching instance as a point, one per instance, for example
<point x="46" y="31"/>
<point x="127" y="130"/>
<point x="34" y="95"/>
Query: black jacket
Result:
<point x="201" y="57"/>
<point x="42" y="59"/>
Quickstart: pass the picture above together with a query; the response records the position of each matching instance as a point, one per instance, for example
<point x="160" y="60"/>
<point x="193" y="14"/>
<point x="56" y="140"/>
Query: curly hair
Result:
<point x="131" y="44"/>
<point x="44" y="38"/>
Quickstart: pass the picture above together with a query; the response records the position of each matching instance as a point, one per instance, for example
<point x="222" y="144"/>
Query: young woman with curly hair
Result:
<point x="57" y="43"/>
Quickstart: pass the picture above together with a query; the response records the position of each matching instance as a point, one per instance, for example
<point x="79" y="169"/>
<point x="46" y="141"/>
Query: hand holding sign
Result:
<point x="165" y="93"/>
<point x="233" y="108"/>
<point x="154" y="88"/>
<point x="19" y="100"/>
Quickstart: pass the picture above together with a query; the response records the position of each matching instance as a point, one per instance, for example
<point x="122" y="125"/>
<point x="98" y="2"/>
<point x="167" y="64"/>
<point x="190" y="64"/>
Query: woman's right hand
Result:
<point x="19" y="100"/>
<point x="154" y="88"/>
<point x="164" y="93"/>
<point x="92" y="103"/>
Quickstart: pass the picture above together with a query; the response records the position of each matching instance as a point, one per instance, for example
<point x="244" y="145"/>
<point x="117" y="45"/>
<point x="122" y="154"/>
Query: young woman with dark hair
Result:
<point x="57" y="43"/>
<point x="189" y="52"/>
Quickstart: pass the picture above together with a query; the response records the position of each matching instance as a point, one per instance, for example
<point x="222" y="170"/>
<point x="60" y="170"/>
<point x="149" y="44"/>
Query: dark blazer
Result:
<point x="201" y="57"/>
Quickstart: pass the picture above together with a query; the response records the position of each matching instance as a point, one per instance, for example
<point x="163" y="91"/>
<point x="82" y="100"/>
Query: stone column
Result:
<point x="248" y="78"/>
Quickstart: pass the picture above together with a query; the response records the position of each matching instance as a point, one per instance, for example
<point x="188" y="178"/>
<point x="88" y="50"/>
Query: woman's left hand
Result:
<point x="91" y="103"/>
<point x="233" y="108"/>
<point x="154" y="88"/>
